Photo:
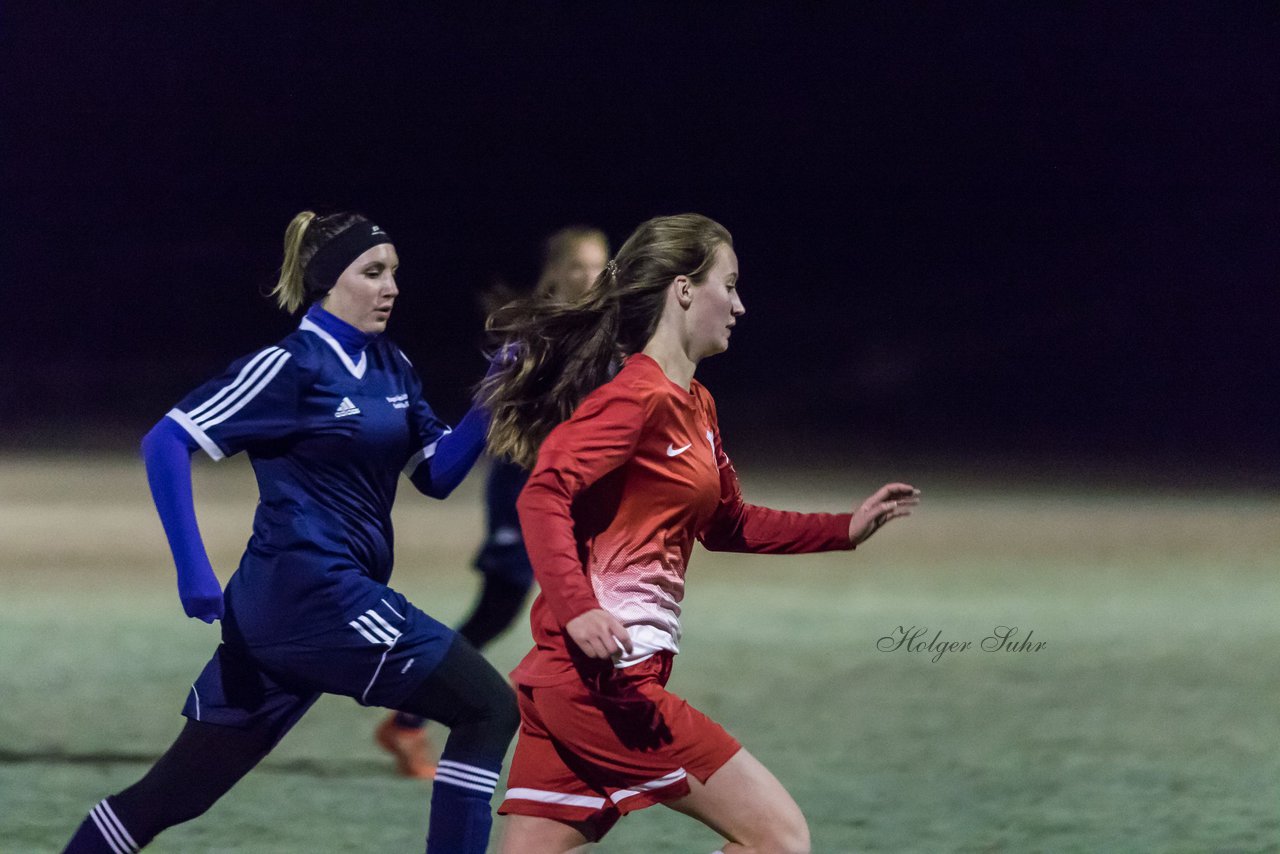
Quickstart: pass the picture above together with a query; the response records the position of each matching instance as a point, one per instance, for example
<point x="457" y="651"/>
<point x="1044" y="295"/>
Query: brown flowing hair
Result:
<point x="560" y="351"/>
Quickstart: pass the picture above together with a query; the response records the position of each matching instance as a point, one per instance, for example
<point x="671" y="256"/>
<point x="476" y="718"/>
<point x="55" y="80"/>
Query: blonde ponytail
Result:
<point x="290" y="293"/>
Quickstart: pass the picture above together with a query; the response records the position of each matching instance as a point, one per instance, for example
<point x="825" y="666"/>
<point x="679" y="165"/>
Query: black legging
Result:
<point x="496" y="608"/>
<point x="465" y="693"/>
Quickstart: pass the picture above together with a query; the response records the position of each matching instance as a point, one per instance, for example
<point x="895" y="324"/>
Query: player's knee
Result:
<point x="506" y="717"/>
<point x="493" y="728"/>
<point x="795" y="841"/>
<point x="787" y="834"/>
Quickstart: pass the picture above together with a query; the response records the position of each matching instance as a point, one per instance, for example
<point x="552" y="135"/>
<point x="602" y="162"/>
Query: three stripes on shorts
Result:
<point x="376" y="629"/>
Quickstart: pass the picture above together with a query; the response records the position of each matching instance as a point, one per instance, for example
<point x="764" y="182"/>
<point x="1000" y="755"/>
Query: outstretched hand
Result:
<point x="891" y="501"/>
<point x="599" y="634"/>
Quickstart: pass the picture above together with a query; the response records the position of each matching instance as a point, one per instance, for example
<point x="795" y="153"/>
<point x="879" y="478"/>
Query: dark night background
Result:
<point x="970" y="230"/>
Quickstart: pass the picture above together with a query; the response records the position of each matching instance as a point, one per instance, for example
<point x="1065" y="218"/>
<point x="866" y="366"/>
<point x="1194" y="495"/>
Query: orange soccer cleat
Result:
<point x="409" y="745"/>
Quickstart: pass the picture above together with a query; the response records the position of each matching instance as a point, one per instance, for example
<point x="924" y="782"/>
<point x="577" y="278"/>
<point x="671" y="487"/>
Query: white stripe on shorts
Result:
<point x="375" y="630"/>
<point x="660" y="783"/>
<point x="391" y="630"/>
<point x="381" y="661"/>
<point x="554" y="798"/>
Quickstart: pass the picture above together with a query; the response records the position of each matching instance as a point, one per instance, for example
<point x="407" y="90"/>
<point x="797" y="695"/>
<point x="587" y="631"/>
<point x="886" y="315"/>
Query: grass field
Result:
<point x="1150" y="721"/>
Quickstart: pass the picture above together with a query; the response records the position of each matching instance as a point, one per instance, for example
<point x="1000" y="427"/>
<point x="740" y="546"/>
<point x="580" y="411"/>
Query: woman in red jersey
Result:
<point x="628" y="471"/>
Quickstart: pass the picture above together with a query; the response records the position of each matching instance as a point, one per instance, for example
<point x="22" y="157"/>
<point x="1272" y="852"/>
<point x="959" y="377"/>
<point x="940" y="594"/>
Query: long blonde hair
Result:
<point x="560" y="351"/>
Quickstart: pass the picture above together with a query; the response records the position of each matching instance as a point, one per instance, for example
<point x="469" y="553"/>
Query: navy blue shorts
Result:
<point x="378" y="657"/>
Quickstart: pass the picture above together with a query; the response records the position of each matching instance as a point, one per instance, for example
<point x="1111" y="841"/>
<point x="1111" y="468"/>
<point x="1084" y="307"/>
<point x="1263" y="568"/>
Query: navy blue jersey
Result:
<point x="327" y="437"/>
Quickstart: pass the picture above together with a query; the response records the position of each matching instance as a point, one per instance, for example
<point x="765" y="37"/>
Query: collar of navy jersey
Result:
<point x="347" y="341"/>
<point x="353" y="341"/>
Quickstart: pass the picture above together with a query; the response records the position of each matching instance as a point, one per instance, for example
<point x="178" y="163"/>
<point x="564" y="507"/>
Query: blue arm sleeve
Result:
<point x="456" y="452"/>
<point x="166" y="452"/>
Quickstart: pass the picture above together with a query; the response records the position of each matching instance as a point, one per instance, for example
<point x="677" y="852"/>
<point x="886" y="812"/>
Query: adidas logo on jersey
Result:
<point x="346" y="408"/>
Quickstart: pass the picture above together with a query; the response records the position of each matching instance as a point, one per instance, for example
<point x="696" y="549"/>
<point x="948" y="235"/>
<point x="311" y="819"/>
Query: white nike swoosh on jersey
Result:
<point x="673" y="451"/>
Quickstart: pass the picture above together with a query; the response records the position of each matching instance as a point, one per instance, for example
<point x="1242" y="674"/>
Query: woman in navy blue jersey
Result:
<point x="573" y="258"/>
<point x="329" y="416"/>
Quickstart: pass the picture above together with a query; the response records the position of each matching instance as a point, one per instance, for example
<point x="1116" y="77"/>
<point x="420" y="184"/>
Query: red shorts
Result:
<point x="589" y="755"/>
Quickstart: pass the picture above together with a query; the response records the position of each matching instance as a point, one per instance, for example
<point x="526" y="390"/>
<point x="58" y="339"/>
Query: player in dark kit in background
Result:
<point x="330" y="417"/>
<point x="572" y="260"/>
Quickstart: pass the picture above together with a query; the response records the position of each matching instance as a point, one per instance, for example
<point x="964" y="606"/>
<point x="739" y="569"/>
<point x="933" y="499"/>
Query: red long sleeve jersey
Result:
<point x="618" y="495"/>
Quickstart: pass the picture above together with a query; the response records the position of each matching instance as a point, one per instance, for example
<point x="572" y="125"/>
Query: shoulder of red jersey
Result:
<point x="705" y="400"/>
<point x="640" y="379"/>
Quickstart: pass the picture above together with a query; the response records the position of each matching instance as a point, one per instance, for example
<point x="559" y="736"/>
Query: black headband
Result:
<point x="332" y="258"/>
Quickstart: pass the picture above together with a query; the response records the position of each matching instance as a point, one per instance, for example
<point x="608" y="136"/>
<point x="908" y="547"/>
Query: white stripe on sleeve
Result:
<point x="425" y="454"/>
<point x="202" y="438"/>
<point x="234" y="384"/>
<point x="269" y="369"/>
